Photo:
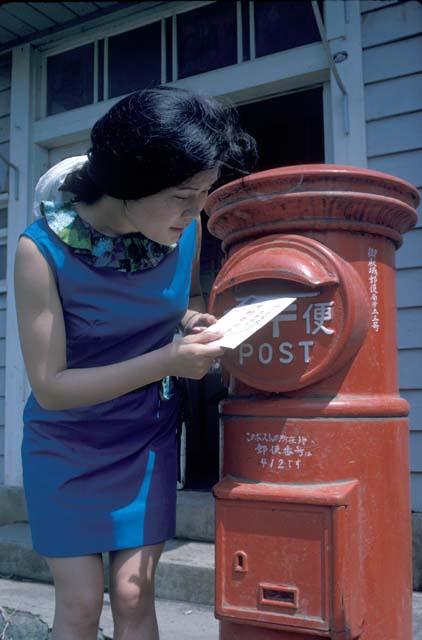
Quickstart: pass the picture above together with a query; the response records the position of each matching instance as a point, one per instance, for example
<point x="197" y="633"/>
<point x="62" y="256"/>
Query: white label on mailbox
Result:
<point x="243" y="321"/>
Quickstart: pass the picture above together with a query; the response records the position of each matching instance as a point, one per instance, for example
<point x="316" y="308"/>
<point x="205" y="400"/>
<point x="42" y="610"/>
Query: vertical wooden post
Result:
<point x="30" y="162"/>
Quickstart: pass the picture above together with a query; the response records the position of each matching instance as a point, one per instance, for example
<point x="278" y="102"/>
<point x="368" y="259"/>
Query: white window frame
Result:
<point x="120" y="26"/>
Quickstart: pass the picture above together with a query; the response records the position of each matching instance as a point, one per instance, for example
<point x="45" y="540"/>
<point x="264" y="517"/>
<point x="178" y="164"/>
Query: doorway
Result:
<point x="289" y="130"/>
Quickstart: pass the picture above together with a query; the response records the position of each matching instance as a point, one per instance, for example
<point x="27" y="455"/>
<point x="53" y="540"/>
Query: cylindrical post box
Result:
<point x="313" y="531"/>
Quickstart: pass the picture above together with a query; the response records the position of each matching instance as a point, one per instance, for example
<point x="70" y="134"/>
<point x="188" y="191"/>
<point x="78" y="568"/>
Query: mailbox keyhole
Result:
<point x="240" y="562"/>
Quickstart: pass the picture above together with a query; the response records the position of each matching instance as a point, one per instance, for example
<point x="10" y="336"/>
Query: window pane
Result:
<point x="169" y="49"/>
<point x="3" y="218"/>
<point x="245" y="30"/>
<point x="206" y="38"/>
<point x="284" y="25"/>
<point x="101" y="70"/>
<point x="3" y="261"/>
<point x="135" y="59"/>
<point x="70" y="79"/>
<point x="4" y="168"/>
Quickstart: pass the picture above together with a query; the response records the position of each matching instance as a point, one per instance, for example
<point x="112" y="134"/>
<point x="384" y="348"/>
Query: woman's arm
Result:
<point x="43" y="341"/>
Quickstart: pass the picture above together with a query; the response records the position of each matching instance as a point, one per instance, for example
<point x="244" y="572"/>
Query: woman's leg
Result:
<point x="131" y="590"/>
<point x="79" y="592"/>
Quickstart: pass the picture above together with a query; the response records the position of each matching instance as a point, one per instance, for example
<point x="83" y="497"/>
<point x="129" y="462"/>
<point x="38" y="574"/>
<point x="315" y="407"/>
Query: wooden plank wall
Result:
<point x="5" y="69"/>
<point x="392" y="69"/>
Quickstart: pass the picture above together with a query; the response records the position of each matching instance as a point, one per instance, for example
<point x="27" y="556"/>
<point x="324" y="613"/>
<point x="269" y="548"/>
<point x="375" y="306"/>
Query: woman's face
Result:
<point x="164" y="215"/>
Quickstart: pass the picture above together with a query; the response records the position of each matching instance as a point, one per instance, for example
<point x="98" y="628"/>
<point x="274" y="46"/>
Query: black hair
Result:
<point x="157" y="138"/>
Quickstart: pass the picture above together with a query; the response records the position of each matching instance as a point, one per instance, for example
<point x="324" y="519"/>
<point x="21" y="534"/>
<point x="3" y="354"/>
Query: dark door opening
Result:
<point x="289" y="130"/>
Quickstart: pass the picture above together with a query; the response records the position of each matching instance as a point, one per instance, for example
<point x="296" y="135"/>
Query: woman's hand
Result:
<point x="193" y="356"/>
<point x="197" y="322"/>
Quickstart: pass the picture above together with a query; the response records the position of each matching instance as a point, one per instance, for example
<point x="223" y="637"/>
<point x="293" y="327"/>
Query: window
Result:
<point x="206" y="39"/>
<point x="211" y="36"/>
<point x="70" y="79"/>
<point x="135" y="60"/>
<point x="3" y="258"/>
<point x="4" y="168"/>
<point x="3" y="218"/>
<point x="284" y="25"/>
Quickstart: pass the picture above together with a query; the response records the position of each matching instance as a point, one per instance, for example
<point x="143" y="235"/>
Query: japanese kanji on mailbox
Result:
<point x="313" y="510"/>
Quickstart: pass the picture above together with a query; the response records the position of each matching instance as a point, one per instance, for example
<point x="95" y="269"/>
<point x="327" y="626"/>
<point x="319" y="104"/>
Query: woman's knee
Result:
<point x="133" y="599"/>
<point x="132" y="581"/>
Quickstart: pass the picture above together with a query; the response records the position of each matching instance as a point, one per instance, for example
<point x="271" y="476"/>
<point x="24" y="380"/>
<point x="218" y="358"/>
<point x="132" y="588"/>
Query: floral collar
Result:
<point x="127" y="252"/>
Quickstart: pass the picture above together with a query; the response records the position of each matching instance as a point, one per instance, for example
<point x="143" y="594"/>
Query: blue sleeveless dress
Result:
<point x="103" y="477"/>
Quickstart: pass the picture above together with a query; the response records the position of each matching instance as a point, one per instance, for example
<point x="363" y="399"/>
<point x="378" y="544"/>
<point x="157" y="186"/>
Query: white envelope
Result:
<point x="243" y="321"/>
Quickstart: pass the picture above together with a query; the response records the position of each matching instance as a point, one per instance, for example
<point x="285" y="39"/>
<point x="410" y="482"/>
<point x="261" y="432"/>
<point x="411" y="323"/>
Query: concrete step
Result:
<point x="185" y="571"/>
<point x="194" y="514"/>
<point x="175" y="619"/>
<point x="195" y="518"/>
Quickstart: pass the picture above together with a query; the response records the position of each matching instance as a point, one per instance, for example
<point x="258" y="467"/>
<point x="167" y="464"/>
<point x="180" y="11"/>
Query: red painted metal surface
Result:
<point x="313" y="510"/>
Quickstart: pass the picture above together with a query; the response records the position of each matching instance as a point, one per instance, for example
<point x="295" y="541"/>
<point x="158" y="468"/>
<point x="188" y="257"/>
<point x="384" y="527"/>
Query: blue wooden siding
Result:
<point x="5" y="69"/>
<point x="392" y="71"/>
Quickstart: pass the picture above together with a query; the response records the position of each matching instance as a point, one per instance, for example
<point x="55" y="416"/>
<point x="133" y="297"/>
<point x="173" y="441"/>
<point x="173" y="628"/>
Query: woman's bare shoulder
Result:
<point x="33" y="274"/>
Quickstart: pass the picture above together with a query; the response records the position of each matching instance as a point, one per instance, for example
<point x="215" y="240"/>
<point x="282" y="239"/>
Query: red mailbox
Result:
<point x="313" y="512"/>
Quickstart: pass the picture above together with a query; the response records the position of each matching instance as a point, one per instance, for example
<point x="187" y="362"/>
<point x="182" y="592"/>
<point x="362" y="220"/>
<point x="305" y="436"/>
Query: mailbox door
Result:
<point x="287" y="560"/>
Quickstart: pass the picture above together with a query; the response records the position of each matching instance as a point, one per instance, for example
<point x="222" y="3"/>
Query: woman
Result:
<point x="102" y="280"/>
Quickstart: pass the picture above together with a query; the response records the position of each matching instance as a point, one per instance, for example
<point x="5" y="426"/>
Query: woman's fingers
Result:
<point x="203" y="337"/>
<point x="208" y="318"/>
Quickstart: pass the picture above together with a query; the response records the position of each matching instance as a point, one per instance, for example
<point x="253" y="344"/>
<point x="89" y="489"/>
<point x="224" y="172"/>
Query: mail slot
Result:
<point x="321" y="331"/>
<point x="313" y="510"/>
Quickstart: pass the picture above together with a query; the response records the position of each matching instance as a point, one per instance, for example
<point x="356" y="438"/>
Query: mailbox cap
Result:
<point x="312" y="197"/>
<point x="297" y="263"/>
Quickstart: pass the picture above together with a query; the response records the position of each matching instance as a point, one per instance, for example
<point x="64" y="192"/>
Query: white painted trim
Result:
<point x="163" y="52"/>
<point x="32" y="161"/>
<point x="266" y="76"/>
<point x="272" y="75"/>
<point x="174" y="71"/>
<point x="252" y="51"/>
<point x="39" y="97"/>
<point x="133" y="19"/>
<point x="105" y="66"/>
<point x="348" y="148"/>
<point x="239" y="32"/>
<point x="95" y="74"/>
<point x="16" y="385"/>
<point x="43" y="88"/>
<point x="334" y="19"/>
